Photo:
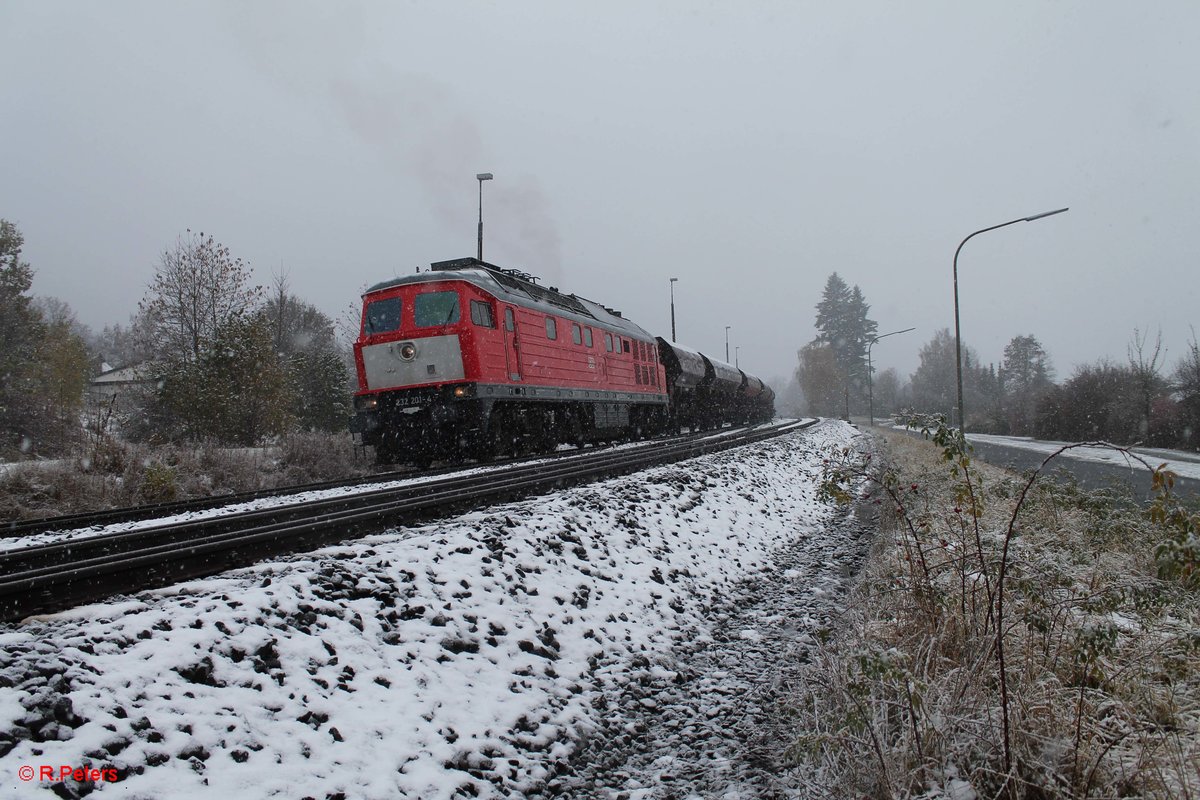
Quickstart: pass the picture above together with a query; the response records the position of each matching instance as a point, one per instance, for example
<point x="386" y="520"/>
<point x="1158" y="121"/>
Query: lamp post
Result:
<point x="481" y="177"/>
<point x="870" y="382"/>
<point x="673" y="308"/>
<point x="735" y="355"/>
<point x="957" y="340"/>
<point x="727" y="327"/>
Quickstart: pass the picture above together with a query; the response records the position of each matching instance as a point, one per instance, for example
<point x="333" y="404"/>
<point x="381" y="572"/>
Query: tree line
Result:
<point x="209" y="355"/>
<point x="1142" y="399"/>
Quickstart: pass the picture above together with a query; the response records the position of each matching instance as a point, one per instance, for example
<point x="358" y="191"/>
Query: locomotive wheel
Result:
<point x="498" y="441"/>
<point x="385" y="454"/>
<point x="575" y="431"/>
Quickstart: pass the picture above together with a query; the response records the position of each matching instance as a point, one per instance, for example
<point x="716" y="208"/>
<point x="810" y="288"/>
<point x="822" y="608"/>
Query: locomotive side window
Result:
<point x="509" y="322"/>
<point x="551" y="328"/>
<point x="587" y="336"/>
<point x="382" y="316"/>
<point x="625" y="345"/>
<point x="481" y="314"/>
<point x="576" y="334"/>
<point x="436" y="308"/>
<point x="608" y="342"/>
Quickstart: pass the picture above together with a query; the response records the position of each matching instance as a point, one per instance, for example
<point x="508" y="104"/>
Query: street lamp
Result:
<point x="735" y="355"/>
<point x="870" y="382"/>
<point x="481" y="177"/>
<point x="727" y="327"/>
<point x="957" y="340"/>
<point x="673" y="308"/>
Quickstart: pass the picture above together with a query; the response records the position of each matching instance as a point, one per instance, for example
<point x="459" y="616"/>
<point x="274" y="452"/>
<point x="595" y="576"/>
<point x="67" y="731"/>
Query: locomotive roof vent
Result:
<point x="468" y="263"/>
<point x="518" y="280"/>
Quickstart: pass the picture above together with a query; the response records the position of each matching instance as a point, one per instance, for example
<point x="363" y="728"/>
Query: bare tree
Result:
<point x="1145" y="366"/>
<point x="821" y="379"/>
<point x="1187" y="383"/>
<point x="197" y="289"/>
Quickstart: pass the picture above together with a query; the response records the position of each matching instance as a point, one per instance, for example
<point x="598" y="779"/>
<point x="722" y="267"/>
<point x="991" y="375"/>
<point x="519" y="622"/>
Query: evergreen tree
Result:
<point x="306" y="343"/>
<point x="236" y="392"/>
<point x="1025" y="376"/>
<point x="20" y="332"/>
<point x="43" y="363"/>
<point x="843" y="326"/>
<point x="935" y="383"/>
<point x="832" y="314"/>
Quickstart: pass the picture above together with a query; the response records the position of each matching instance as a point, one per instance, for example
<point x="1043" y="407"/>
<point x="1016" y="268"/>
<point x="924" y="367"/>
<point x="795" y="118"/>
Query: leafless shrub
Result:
<point x="110" y="473"/>
<point x="309" y="457"/>
<point x="1008" y="638"/>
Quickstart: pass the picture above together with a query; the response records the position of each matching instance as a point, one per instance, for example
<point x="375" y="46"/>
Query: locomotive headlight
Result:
<point x="408" y="351"/>
<point x="366" y="403"/>
<point x="462" y="391"/>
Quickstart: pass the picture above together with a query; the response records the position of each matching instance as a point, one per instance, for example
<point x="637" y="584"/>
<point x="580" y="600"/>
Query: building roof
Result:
<point x="131" y="373"/>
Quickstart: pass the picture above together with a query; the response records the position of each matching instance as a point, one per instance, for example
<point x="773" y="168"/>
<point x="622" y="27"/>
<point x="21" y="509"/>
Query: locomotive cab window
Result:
<point x="481" y="314"/>
<point x="551" y="328"/>
<point x="509" y="322"/>
<point x="576" y="334"/>
<point x="382" y="316"/>
<point x="436" y="308"/>
<point x="587" y="337"/>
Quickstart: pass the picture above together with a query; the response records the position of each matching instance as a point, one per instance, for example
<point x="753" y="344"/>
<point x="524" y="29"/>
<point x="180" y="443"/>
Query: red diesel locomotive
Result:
<point x="471" y="360"/>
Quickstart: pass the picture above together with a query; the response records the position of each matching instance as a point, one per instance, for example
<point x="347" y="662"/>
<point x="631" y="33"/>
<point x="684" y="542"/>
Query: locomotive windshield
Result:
<point x="435" y="308"/>
<point x="382" y="316"/>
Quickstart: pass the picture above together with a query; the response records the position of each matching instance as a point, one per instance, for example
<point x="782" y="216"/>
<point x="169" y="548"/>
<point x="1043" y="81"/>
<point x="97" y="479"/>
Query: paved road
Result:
<point x="1089" y="474"/>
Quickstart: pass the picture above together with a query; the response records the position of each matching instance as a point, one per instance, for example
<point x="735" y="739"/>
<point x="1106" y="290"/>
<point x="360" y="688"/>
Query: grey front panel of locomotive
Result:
<point x="438" y="359"/>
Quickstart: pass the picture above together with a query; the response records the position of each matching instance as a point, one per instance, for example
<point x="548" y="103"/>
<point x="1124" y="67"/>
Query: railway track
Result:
<point x="91" y="519"/>
<point x="51" y="577"/>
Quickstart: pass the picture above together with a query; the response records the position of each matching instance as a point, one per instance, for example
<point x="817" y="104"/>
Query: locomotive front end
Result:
<point x="412" y="379"/>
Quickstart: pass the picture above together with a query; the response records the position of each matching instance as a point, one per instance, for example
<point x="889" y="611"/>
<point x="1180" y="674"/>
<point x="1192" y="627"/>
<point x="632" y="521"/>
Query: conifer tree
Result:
<point x="843" y="326"/>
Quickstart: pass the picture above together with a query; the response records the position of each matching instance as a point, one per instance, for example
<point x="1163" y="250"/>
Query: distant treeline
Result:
<point x="1142" y="399"/>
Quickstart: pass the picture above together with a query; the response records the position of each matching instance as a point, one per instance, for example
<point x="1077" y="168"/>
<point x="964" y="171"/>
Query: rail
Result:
<point x="51" y="577"/>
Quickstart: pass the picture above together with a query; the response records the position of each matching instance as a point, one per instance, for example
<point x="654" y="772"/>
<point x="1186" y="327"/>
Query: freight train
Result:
<point x="469" y="360"/>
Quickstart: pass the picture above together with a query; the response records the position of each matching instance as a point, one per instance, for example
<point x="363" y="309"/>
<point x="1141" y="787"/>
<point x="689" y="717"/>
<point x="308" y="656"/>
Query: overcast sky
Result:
<point x="747" y="148"/>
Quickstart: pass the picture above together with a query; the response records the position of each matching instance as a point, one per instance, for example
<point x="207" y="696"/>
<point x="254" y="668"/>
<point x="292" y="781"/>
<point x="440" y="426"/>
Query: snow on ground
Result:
<point x="275" y="501"/>
<point x="1183" y="464"/>
<point x="463" y="658"/>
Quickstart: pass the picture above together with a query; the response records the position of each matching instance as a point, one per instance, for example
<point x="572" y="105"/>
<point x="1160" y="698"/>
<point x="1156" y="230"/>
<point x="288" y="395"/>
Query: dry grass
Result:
<point x="1101" y="657"/>
<point x="108" y="473"/>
